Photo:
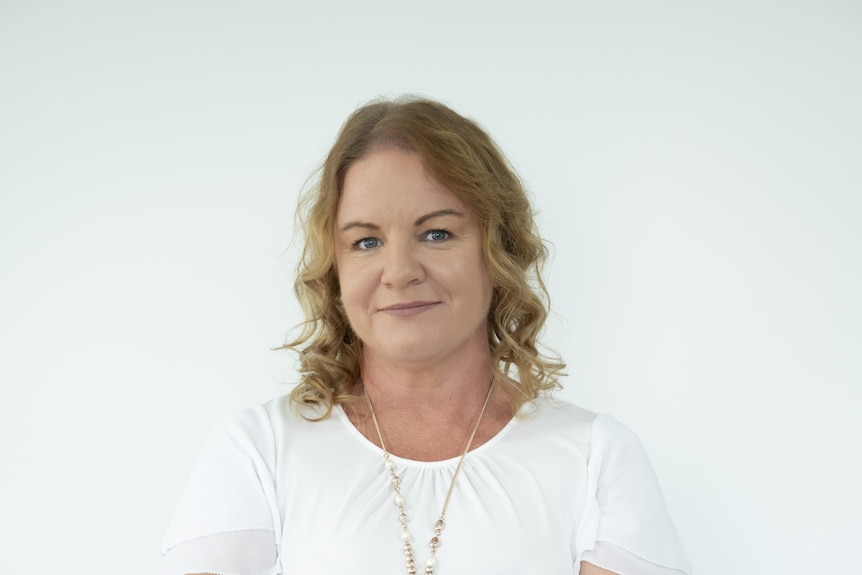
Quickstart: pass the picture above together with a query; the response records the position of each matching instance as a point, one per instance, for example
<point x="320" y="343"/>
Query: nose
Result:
<point x="401" y="265"/>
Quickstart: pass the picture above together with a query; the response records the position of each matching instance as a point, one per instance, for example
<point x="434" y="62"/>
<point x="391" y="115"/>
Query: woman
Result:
<point x="421" y="438"/>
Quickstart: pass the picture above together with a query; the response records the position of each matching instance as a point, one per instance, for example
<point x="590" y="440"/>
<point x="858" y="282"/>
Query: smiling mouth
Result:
<point x="408" y="308"/>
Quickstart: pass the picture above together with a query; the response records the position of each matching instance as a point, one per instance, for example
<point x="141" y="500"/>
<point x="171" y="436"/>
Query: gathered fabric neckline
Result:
<point x="451" y="461"/>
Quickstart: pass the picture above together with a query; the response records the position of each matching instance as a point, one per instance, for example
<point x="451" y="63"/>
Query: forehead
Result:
<point x="392" y="182"/>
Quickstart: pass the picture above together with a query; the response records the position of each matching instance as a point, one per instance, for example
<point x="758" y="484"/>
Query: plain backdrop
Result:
<point x="695" y="166"/>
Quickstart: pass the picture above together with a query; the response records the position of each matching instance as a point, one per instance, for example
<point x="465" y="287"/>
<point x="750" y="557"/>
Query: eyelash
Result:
<point x="446" y="235"/>
<point x="359" y="244"/>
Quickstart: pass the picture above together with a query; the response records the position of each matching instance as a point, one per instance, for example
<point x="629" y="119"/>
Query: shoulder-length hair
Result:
<point x="459" y="155"/>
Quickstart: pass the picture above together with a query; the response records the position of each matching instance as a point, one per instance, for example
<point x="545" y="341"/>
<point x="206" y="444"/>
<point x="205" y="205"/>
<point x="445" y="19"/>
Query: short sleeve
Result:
<point x="229" y="505"/>
<point x="626" y="527"/>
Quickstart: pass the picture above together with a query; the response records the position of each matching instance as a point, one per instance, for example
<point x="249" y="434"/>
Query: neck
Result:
<point x="436" y="388"/>
<point x="427" y="415"/>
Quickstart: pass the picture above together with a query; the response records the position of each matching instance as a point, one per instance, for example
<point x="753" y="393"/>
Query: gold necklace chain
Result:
<point x="434" y="543"/>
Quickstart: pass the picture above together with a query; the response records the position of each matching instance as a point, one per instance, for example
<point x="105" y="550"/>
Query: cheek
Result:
<point x="356" y="287"/>
<point x="472" y="279"/>
<point x="484" y="283"/>
<point x="487" y="290"/>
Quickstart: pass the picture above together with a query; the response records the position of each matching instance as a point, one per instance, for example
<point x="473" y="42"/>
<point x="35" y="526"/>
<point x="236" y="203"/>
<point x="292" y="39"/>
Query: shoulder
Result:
<point x="556" y="412"/>
<point x="605" y="442"/>
<point x="602" y="428"/>
<point x="256" y="431"/>
<point x="616" y="450"/>
<point x="244" y="428"/>
<point x="611" y="435"/>
<point x="563" y="416"/>
<point x="564" y="429"/>
<point x="262" y="420"/>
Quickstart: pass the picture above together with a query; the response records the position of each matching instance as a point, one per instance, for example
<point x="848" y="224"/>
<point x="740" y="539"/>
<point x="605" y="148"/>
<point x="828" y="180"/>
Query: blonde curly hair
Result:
<point x="464" y="159"/>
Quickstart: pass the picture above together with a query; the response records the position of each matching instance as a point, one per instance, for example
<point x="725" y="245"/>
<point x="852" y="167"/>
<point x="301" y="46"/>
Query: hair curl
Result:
<point x="464" y="159"/>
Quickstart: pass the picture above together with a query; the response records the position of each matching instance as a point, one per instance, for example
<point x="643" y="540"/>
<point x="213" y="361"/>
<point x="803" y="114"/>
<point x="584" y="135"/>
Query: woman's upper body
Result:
<point x="556" y="486"/>
<point x="421" y="284"/>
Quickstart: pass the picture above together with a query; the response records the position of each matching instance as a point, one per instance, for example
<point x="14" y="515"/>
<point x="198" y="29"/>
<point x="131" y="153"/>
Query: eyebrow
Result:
<point x="444" y="212"/>
<point x="419" y="221"/>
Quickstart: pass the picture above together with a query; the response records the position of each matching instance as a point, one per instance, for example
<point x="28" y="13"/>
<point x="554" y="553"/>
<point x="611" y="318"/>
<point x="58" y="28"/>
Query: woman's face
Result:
<point x="409" y="257"/>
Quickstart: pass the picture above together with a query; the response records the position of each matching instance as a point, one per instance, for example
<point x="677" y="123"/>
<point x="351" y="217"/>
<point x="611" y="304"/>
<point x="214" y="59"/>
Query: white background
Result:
<point x="696" y="166"/>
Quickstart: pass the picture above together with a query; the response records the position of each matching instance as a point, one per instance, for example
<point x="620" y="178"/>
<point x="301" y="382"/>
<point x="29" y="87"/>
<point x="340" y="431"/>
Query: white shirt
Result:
<point x="273" y="493"/>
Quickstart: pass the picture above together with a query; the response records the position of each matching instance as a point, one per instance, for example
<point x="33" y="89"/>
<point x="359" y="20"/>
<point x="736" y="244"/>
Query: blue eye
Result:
<point x="366" y="244"/>
<point x="437" y="235"/>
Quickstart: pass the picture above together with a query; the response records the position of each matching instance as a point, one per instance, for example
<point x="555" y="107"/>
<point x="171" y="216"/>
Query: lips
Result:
<point x="408" y="308"/>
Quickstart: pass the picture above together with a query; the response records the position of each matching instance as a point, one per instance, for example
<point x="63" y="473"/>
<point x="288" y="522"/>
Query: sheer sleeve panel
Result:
<point x="237" y="553"/>
<point x="618" y="560"/>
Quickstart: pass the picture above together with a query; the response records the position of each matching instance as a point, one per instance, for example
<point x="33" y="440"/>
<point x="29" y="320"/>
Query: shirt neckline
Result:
<point x="452" y="461"/>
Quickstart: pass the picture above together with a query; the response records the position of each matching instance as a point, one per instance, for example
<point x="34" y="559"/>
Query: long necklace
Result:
<point x="434" y="543"/>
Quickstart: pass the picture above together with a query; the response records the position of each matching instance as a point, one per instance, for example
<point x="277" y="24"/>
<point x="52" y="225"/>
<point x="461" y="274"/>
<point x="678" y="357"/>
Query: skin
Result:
<point x="590" y="569"/>
<point x="404" y="240"/>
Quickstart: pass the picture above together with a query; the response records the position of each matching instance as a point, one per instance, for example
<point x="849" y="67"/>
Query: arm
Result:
<point x="590" y="569"/>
